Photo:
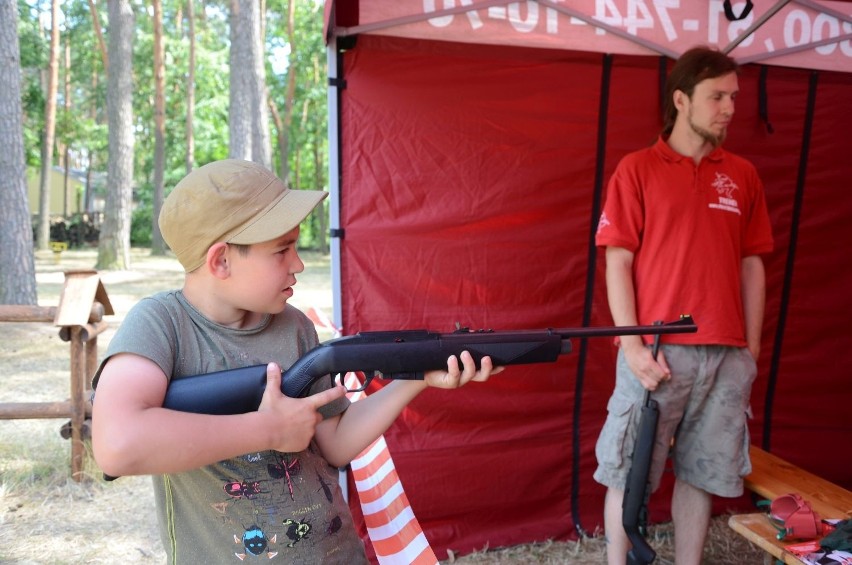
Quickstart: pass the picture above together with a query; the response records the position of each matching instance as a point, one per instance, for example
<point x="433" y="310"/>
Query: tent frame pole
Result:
<point x="789" y="50"/>
<point x="757" y="24"/>
<point x="334" y="171"/>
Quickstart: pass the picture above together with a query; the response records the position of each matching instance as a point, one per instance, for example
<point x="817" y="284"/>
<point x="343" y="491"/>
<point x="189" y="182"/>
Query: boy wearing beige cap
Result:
<point x="257" y="484"/>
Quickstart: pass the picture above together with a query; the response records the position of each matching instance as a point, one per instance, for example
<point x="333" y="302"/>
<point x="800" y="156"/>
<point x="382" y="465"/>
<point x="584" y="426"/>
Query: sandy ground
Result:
<point x="46" y="518"/>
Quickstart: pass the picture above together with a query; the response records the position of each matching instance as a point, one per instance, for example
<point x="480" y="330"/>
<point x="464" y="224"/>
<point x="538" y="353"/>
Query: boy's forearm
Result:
<point x="344" y="437"/>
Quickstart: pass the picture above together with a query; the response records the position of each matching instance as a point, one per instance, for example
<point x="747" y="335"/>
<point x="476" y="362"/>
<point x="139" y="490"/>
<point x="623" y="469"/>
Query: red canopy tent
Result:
<point x="471" y="143"/>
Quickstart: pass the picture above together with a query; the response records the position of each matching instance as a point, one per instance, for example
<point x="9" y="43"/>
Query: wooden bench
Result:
<point x="772" y="477"/>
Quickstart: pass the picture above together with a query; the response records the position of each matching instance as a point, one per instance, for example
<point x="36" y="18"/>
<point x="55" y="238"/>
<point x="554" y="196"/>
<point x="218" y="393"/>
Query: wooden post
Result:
<point x="80" y="313"/>
<point x="78" y="399"/>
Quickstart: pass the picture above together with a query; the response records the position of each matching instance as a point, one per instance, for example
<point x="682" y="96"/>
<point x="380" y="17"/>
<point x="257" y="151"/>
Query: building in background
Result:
<point x="80" y="192"/>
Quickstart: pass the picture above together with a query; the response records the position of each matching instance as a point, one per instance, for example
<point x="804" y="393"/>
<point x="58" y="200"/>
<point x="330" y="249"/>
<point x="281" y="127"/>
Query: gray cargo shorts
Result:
<point x="703" y="420"/>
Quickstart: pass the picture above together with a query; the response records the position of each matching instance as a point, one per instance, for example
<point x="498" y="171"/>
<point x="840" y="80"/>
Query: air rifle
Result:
<point x="637" y="490"/>
<point x="404" y="354"/>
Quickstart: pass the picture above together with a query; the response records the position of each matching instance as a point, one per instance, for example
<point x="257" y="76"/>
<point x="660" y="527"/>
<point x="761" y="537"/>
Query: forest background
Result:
<point x="133" y="94"/>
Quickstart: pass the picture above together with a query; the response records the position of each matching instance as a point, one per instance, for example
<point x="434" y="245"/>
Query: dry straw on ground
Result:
<point x="46" y="518"/>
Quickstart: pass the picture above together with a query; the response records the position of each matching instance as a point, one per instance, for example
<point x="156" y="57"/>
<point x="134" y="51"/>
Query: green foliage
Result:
<point x="82" y="126"/>
<point x="34" y="47"/>
<point x="33" y="44"/>
<point x="306" y="58"/>
<point x="141" y="225"/>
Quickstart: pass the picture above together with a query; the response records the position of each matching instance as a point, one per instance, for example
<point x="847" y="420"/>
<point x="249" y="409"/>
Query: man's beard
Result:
<point x="707" y="136"/>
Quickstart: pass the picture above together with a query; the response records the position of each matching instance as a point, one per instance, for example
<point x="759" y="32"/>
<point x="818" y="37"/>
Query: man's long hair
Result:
<point x="695" y="65"/>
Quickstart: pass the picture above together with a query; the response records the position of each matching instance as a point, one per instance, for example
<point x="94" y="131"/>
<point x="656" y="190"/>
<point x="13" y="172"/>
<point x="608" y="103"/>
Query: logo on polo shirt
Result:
<point x="603" y="222"/>
<point x="726" y="188"/>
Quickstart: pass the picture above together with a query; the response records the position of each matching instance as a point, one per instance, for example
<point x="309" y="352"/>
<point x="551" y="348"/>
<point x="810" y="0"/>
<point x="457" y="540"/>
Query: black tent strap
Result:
<point x="729" y="11"/>
<point x="763" y="99"/>
<point x="591" y="263"/>
<point x="347" y="42"/>
<point x="791" y="260"/>
<point x="336" y="82"/>
<point x="337" y="232"/>
<point x="662" y="69"/>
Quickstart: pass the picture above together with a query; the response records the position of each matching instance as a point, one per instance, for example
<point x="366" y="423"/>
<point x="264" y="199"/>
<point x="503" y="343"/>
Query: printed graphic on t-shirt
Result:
<point x="285" y="469"/>
<point x="278" y="509"/>
<point x="726" y="189"/>
<point x="255" y="543"/>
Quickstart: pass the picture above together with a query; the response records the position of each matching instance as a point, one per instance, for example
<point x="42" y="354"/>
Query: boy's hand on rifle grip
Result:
<point x="458" y="376"/>
<point x="293" y="421"/>
<point x="649" y="372"/>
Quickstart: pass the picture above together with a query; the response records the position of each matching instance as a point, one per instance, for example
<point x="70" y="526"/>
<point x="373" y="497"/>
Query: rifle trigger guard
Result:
<point x="367" y="380"/>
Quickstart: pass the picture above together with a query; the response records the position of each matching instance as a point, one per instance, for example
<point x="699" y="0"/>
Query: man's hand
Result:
<point x="456" y="377"/>
<point x="293" y="421"/>
<point x="641" y="361"/>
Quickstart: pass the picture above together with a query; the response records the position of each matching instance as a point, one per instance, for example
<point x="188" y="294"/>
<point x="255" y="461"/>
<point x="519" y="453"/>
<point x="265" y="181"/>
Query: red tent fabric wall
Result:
<point x="470" y="184"/>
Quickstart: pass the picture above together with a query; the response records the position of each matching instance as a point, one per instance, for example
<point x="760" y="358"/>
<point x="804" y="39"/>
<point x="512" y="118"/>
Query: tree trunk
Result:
<point x="114" y="244"/>
<point x="65" y="149"/>
<point x="94" y="114"/>
<point x="96" y="24"/>
<point x="239" y="116"/>
<point x="17" y="275"/>
<point x="261" y="146"/>
<point x="190" y="89"/>
<point x="282" y="123"/>
<point x="158" y="246"/>
<point x="321" y="217"/>
<point x="43" y="232"/>
<point x="284" y="169"/>
<point x="249" y="117"/>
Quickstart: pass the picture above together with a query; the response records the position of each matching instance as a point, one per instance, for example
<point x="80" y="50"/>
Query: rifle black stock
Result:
<point x="404" y="354"/>
<point x="637" y="491"/>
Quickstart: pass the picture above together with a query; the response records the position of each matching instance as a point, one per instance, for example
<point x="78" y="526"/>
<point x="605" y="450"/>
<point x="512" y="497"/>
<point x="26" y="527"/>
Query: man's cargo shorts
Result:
<point x="703" y="420"/>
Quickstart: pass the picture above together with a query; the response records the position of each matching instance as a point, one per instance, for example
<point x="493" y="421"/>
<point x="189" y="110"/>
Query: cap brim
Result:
<point x="281" y="218"/>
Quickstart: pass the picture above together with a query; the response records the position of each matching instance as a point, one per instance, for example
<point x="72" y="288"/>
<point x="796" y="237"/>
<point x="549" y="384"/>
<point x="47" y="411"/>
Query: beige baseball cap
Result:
<point x="232" y="201"/>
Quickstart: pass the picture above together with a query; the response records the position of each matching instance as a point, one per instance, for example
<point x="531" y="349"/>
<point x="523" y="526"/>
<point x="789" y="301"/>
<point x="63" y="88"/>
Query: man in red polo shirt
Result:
<point x="684" y="225"/>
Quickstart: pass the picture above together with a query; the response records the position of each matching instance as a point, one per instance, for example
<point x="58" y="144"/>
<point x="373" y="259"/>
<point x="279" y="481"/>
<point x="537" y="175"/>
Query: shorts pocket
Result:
<point x="617" y="435"/>
<point x="749" y="368"/>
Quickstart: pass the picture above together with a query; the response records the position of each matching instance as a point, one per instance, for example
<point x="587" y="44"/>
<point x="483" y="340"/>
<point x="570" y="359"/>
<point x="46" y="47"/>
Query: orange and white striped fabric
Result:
<point x="394" y="531"/>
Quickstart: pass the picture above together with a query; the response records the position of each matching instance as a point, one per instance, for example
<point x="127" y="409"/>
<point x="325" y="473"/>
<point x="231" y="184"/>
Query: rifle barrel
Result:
<point x="684" y="325"/>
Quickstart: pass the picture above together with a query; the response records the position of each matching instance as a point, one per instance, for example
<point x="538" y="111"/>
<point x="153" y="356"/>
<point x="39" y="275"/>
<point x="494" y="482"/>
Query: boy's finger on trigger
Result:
<point x="328" y="395"/>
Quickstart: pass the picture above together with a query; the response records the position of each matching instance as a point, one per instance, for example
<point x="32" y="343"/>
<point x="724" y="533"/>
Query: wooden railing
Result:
<point x="79" y="316"/>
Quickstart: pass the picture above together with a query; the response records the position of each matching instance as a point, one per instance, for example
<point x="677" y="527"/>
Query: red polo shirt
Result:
<point x="689" y="226"/>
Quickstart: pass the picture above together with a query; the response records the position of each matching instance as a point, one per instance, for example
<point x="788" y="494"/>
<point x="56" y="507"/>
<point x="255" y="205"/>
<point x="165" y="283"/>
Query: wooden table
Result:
<point x="757" y="529"/>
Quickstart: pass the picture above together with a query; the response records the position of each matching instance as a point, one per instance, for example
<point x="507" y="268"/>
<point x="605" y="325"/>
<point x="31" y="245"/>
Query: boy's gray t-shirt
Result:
<point x="287" y="506"/>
